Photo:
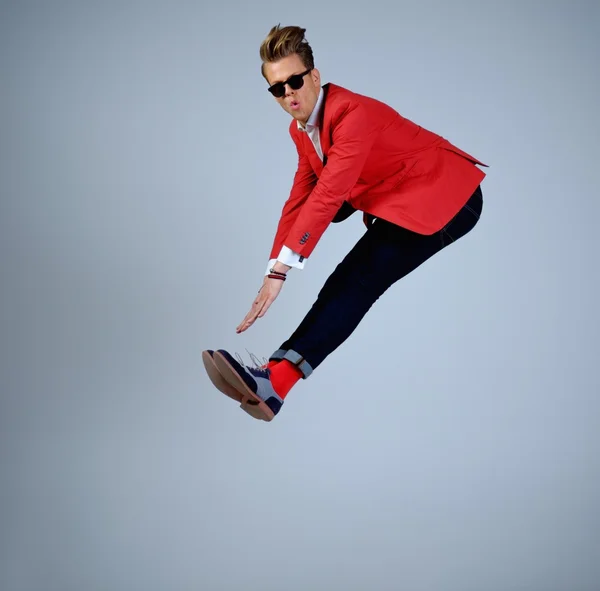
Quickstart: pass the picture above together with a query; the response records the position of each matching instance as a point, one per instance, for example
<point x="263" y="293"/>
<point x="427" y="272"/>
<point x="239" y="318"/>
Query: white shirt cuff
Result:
<point x="288" y="257"/>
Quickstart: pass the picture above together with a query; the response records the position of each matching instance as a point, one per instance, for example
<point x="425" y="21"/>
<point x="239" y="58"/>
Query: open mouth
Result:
<point x="294" y="105"/>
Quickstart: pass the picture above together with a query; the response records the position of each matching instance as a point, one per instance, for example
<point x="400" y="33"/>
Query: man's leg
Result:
<point x="385" y="254"/>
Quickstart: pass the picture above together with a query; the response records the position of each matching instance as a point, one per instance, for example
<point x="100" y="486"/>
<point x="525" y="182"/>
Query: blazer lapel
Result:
<point x="313" y="157"/>
<point x="324" y="137"/>
<point x="325" y="125"/>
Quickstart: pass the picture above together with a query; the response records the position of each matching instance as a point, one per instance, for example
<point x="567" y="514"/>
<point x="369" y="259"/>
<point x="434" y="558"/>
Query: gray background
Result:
<point x="450" y="444"/>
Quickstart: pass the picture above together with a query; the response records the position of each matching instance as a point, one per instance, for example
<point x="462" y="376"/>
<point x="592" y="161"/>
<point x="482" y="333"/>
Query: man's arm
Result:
<point x="305" y="180"/>
<point x="352" y="139"/>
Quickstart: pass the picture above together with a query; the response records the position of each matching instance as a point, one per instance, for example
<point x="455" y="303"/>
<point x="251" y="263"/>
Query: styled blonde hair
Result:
<point x="284" y="41"/>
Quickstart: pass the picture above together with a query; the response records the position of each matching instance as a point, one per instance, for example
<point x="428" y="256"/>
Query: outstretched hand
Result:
<point x="266" y="296"/>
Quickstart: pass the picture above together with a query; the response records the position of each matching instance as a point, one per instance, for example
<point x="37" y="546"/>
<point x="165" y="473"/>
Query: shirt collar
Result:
<point x="313" y="120"/>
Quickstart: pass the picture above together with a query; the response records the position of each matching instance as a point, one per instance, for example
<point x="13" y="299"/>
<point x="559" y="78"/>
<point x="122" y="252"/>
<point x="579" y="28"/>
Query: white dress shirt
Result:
<point x="287" y="256"/>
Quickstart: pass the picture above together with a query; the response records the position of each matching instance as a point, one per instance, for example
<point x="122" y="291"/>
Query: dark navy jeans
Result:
<point x="384" y="254"/>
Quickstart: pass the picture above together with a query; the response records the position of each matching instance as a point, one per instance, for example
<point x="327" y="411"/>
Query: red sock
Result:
<point x="283" y="376"/>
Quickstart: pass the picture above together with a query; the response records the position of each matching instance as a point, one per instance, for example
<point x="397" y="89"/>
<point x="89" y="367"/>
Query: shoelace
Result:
<point x="254" y="359"/>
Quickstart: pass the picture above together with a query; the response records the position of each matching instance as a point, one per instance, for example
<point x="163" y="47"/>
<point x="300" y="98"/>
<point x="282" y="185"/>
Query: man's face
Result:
<point x="298" y="103"/>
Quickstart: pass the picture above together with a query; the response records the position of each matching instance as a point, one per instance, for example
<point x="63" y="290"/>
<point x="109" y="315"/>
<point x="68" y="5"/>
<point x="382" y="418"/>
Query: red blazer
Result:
<point x="381" y="163"/>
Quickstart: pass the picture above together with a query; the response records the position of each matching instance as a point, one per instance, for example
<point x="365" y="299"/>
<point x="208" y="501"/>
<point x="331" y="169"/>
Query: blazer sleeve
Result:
<point x="305" y="180"/>
<point x="352" y="137"/>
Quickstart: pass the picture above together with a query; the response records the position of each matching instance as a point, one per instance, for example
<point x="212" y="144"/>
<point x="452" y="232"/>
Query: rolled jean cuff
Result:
<point x="299" y="361"/>
<point x="278" y="355"/>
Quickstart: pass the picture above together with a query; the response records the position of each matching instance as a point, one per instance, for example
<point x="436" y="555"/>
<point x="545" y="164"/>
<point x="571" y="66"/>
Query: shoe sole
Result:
<point x="251" y="403"/>
<point x="219" y="382"/>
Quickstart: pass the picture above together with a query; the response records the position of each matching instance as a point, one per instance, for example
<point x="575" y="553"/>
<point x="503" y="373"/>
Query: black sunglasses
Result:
<point x="296" y="81"/>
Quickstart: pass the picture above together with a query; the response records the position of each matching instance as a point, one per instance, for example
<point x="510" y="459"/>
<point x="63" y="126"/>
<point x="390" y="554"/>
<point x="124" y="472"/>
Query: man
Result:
<point x="417" y="192"/>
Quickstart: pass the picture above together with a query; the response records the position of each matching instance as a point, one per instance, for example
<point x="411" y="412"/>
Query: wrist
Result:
<point x="280" y="267"/>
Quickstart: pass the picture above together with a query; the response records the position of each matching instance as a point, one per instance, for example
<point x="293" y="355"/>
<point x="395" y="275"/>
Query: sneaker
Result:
<point x="217" y="379"/>
<point x="260" y="399"/>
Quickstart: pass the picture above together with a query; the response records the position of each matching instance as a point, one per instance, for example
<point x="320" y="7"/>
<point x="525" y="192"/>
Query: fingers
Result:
<point x="265" y="307"/>
<point x="259" y="308"/>
<point x="258" y="312"/>
<point x="252" y="315"/>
